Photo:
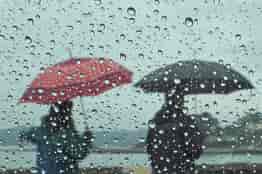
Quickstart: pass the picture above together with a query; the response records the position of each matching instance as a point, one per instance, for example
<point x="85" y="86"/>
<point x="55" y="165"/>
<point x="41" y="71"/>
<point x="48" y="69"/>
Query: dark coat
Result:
<point x="173" y="141"/>
<point x="58" y="151"/>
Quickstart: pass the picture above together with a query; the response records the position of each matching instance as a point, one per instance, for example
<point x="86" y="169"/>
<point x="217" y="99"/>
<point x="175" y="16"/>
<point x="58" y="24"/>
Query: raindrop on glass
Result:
<point x="31" y="21"/>
<point x="156" y="12"/>
<point x="177" y="81"/>
<point x="202" y="85"/>
<point x="189" y="22"/>
<point x="141" y="55"/>
<point x="164" y="18"/>
<point x="157" y="2"/>
<point x="107" y="82"/>
<point x="54" y="94"/>
<point x="122" y="36"/>
<point x="132" y="20"/>
<point x="102" y="27"/>
<point x="40" y="91"/>
<point x="161" y="131"/>
<point x="151" y="124"/>
<point x="28" y="39"/>
<point x="37" y="16"/>
<point x="98" y="2"/>
<point x="238" y="36"/>
<point x="131" y="11"/>
<point x="123" y="56"/>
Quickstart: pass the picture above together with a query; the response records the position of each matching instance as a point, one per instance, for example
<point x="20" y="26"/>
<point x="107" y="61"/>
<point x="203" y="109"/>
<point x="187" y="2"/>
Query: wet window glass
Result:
<point x="134" y="86"/>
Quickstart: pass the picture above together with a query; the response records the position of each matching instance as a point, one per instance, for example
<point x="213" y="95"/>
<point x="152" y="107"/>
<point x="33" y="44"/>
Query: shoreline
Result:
<point x="201" y="169"/>
<point x="142" y="151"/>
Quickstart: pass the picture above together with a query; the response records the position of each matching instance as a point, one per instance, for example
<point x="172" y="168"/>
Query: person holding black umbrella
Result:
<point x="173" y="141"/>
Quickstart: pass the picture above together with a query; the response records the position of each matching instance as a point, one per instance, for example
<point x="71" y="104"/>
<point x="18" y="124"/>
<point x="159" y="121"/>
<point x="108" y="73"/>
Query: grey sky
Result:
<point x="227" y="30"/>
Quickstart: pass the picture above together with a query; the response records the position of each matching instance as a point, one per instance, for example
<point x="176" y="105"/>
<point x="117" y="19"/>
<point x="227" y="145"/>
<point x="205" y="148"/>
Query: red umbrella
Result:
<point x="76" y="77"/>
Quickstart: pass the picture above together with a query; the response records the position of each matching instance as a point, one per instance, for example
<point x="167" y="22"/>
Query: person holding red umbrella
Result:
<point x="60" y="147"/>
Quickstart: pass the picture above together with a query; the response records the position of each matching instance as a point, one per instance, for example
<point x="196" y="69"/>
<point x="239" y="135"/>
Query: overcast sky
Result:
<point x="35" y="34"/>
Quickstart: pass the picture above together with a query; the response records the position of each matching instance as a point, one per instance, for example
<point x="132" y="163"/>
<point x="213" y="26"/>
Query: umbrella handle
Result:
<point x="83" y="108"/>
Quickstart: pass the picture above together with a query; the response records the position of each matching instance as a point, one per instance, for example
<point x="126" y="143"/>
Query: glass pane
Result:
<point x="199" y="110"/>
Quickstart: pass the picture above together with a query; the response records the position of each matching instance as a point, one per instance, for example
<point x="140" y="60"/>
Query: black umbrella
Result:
<point x="195" y="77"/>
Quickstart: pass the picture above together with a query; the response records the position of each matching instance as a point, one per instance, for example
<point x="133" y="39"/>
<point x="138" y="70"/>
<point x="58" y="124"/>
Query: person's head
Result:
<point x="60" y="115"/>
<point x="64" y="108"/>
<point x="174" y="99"/>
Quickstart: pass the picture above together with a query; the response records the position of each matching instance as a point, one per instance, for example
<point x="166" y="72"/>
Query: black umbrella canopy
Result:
<point x="195" y="77"/>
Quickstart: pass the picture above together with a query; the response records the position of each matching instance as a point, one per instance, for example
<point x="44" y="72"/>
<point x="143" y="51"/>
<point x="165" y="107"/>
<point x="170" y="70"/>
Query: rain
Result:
<point x="141" y="36"/>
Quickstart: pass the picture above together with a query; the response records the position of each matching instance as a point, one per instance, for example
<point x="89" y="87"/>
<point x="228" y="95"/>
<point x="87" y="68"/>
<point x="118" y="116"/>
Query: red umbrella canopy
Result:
<point x="76" y="77"/>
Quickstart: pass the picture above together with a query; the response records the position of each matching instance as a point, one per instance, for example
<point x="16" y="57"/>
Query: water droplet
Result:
<point x="161" y="131"/>
<point x="164" y="18"/>
<point x="221" y="61"/>
<point x="31" y="21"/>
<point x="115" y="140"/>
<point x="157" y="28"/>
<point x="34" y="170"/>
<point x="107" y="82"/>
<point x="251" y="72"/>
<point x="2" y="37"/>
<point x="157" y="2"/>
<point x="243" y="47"/>
<point x="102" y="27"/>
<point x="94" y="111"/>
<point x="98" y="2"/>
<point x="160" y="52"/>
<point x="70" y="27"/>
<point x="40" y="91"/>
<point x="62" y="93"/>
<point x="28" y="39"/>
<point x="202" y="85"/>
<point x="223" y="84"/>
<point x="54" y="94"/>
<point x="123" y="56"/>
<point x="37" y="16"/>
<point x="131" y="11"/>
<point x="238" y="36"/>
<point x="122" y="36"/>
<point x="86" y="14"/>
<point x="156" y="12"/>
<point x="141" y="55"/>
<point x="189" y="21"/>
<point x="132" y="20"/>
<point x="151" y="124"/>
<point x="177" y="81"/>
<point x="52" y="43"/>
<point x="195" y="21"/>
